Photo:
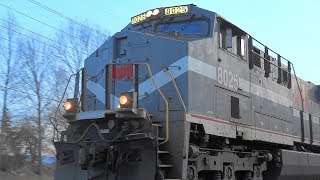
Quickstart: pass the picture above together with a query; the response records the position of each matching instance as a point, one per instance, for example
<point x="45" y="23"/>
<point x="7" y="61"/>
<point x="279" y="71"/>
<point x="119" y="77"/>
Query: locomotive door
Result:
<point x="120" y="76"/>
<point x="234" y="107"/>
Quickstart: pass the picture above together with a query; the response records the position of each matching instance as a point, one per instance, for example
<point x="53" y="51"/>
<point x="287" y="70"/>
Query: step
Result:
<point x="161" y="138"/>
<point x="163" y="152"/>
<point x="172" y="179"/>
<point x="165" y="165"/>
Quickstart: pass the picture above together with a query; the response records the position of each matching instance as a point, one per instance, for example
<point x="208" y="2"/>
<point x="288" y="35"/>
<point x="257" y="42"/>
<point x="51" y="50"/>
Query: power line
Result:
<point x="43" y="53"/>
<point x="24" y="92"/>
<point x="28" y="37"/>
<point x="67" y="54"/>
<point x="66" y="17"/>
<point x="41" y="36"/>
<point x="24" y="57"/>
<point x="46" y="24"/>
<point x="107" y="12"/>
<point x="32" y="39"/>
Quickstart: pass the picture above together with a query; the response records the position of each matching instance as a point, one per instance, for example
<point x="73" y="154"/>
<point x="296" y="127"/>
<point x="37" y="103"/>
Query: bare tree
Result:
<point x="7" y="77"/>
<point x="73" y="51"/>
<point x="27" y="139"/>
<point x="70" y="53"/>
<point x="36" y="69"/>
<point x="43" y="72"/>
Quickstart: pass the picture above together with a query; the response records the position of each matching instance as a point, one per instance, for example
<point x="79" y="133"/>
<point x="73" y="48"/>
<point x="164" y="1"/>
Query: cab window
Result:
<point x="232" y="39"/>
<point x="185" y="28"/>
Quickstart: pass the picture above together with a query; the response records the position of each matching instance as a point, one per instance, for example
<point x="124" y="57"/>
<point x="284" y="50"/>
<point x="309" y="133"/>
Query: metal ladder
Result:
<point x="163" y="155"/>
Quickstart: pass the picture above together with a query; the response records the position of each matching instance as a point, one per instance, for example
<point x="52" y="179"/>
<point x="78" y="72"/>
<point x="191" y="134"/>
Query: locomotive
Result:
<point x="182" y="93"/>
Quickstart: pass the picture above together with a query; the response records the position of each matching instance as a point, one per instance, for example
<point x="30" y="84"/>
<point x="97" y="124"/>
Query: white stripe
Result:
<point x="296" y="113"/>
<point x="188" y="63"/>
<point x="315" y="119"/>
<point x="202" y="68"/>
<point x="197" y="66"/>
<point x="100" y="91"/>
<point x="244" y="85"/>
<point x="97" y="90"/>
<point x="162" y="78"/>
<point x="115" y="101"/>
<point x="270" y="95"/>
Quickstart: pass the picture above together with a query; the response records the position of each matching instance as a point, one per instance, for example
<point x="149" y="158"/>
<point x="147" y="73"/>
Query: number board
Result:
<point x="176" y="10"/>
<point x="139" y="18"/>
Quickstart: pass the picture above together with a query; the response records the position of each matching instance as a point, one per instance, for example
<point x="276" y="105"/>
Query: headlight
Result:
<point x="124" y="100"/>
<point x="155" y="12"/>
<point x="149" y="13"/>
<point x="71" y="105"/>
<point x="67" y="106"/>
<point x="128" y="100"/>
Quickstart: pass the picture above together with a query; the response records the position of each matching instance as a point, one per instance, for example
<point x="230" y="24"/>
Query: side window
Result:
<point x="242" y="45"/>
<point x="228" y="38"/>
<point x="232" y="39"/>
<point x="222" y="37"/>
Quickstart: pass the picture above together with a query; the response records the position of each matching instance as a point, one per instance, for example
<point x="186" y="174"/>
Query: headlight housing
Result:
<point x="71" y="108"/>
<point x="124" y="100"/>
<point x="68" y="106"/>
<point x="128" y="100"/>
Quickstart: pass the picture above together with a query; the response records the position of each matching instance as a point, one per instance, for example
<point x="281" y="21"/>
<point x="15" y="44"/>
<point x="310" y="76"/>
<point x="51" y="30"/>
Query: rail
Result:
<point x="165" y="101"/>
<point x="279" y="57"/>
<point x="183" y="105"/>
<point x="167" y="134"/>
<point x="76" y="92"/>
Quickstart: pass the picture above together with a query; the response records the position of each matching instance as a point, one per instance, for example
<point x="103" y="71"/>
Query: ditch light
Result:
<point x="128" y="100"/>
<point x="71" y="108"/>
<point x="128" y="106"/>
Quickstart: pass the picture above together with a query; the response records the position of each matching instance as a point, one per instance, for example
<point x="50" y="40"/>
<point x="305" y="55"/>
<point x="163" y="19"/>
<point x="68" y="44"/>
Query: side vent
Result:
<point x="302" y="126"/>
<point x="266" y="62"/>
<point x="279" y="70"/>
<point x="289" y="75"/>
<point x="235" y="108"/>
<point x="311" y="128"/>
<point x="256" y="57"/>
<point x="250" y="53"/>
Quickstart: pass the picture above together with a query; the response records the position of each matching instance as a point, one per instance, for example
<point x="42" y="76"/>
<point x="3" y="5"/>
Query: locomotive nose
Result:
<point x="132" y="53"/>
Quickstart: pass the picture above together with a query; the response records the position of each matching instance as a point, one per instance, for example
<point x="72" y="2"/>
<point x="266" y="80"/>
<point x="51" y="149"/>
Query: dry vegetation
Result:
<point x="34" y="70"/>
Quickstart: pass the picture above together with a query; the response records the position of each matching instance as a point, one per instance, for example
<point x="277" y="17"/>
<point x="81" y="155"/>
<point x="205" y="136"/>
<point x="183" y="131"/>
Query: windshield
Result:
<point x="185" y="28"/>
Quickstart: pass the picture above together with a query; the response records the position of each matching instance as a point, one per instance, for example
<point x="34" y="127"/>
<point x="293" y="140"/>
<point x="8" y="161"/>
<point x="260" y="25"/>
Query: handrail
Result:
<point x="300" y="92"/>
<point x="56" y="112"/>
<point x="165" y="101"/>
<point x="268" y="48"/>
<point x="153" y="81"/>
<point x="166" y="69"/>
<point x="161" y="94"/>
<point x="284" y="69"/>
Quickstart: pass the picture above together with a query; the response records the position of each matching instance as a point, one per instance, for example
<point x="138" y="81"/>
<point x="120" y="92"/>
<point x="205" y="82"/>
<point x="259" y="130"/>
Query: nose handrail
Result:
<point x="166" y="69"/>
<point x="76" y="91"/>
<point x="167" y="134"/>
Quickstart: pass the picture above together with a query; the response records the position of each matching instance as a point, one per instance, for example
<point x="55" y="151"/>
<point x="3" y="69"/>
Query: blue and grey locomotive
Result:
<point x="181" y="93"/>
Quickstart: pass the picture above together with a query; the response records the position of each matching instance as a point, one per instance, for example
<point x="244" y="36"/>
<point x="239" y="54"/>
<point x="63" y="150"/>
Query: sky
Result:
<point x="290" y="27"/>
